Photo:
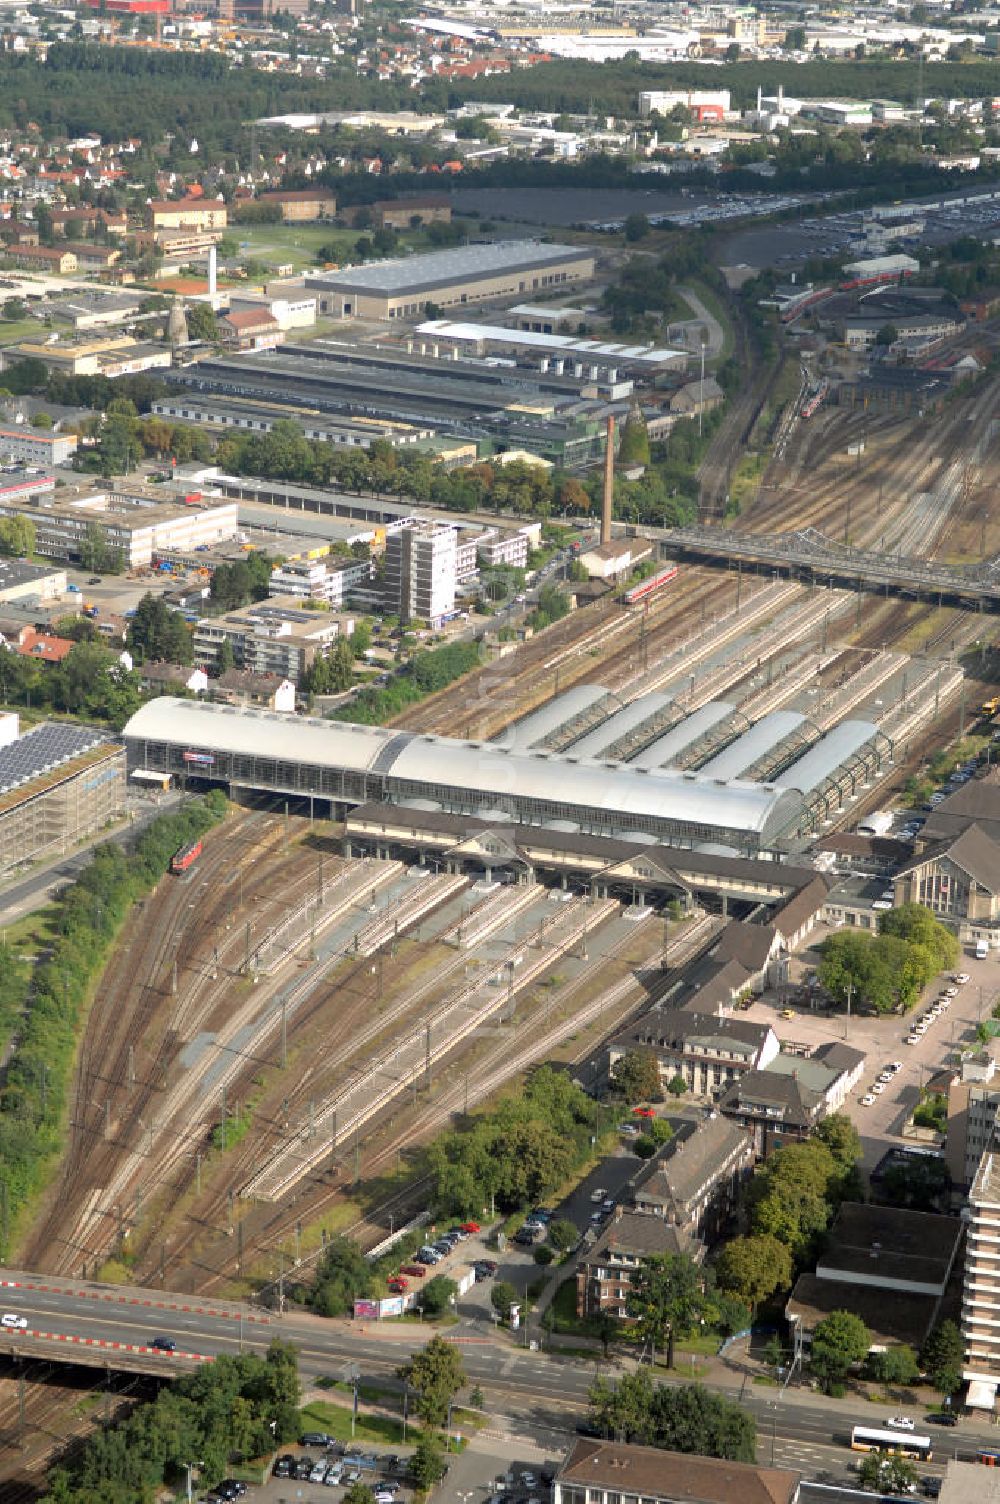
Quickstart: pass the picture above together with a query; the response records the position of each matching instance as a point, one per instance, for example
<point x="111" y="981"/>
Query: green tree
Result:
<point x="636" y="1076"/>
<point x="41" y="420"/>
<point x="502" y="1297"/>
<point x="840" y="1342"/>
<point x="225" y="658"/>
<point x="887" y="1473"/>
<point x="895" y="1365"/>
<point x="437" y="1295"/>
<point x="634" y="446"/>
<point x="97" y="553"/>
<point x="435" y="1375"/>
<point x="942" y="1357"/>
<point x="681" y="1418"/>
<point x="887" y="335"/>
<point x="842" y="1139"/>
<point x="201" y="322"/>
<point x="344" y="1275"/>
<point x="753" y="1268"/>
<point x="677" y="1086"/>
<point x="563" y="1234"/>
<point x="359" y="1493"/>
<point x="17" y="536"/>
<point x="636" y="228"/>
<point x="667" y="1300"/>
<point x="427" y="1465"/>
<point x="157" y="632"/>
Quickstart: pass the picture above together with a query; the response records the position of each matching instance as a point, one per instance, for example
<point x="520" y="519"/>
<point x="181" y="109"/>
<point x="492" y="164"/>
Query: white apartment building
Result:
<point x="981" y="1292"/>
<point x="276" y="636"/>
<point x="139" y="523"/>
<point x="421" y="572"/>
<point x="35" y="447"/>
<point x="329" y="580"/>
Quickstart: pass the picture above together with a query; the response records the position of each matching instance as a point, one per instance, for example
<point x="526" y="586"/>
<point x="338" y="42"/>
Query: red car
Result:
<point x="644" y="1112"/>
<point x="470" y="1226"/>
<point x="416" y="1270"/>
<point x="397" y="1285"/>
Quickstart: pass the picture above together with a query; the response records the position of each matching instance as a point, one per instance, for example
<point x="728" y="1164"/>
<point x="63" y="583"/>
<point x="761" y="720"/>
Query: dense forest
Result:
<point x="612" y="88"/>
<point x="119" y="92"/>
<point x="122" y="91"/>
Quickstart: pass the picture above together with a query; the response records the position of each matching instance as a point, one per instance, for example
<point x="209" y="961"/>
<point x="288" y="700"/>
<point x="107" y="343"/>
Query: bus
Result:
<point x="902" y="1443"/>
<point x="988" y="1457"/>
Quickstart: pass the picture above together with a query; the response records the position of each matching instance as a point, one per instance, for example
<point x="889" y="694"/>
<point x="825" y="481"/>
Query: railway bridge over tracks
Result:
<point x="810" y="556"/>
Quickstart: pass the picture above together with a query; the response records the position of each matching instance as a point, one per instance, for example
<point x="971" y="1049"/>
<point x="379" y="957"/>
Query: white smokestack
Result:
<point x="212" y="257"/>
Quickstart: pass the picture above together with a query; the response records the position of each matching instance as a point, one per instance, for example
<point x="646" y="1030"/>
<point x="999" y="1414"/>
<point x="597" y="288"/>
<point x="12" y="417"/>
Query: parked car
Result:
<point x="397" y="1285"/>
<point x="13" y="1322"/>
<point x="164" y="1345"/>
<point x="315" y="1439"/>
<point x="471" y="1227"/>
<point x="283" y="1466"/>
<point x="598" y="1195"/>
<point x="416" y="1271"/>
<point x="901" y="1423"/>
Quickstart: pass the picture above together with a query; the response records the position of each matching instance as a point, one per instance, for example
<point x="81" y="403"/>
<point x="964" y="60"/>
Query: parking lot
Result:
<point x="884" y="1041"/>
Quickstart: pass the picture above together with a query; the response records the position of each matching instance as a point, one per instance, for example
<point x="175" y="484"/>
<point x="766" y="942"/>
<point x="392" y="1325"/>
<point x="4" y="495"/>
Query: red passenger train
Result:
<point x="650" y="586"/>
<point x="185" y="857"/>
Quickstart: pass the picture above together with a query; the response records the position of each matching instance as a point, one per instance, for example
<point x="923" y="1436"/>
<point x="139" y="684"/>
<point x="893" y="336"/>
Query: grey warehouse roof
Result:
<point x="823" y="760"/>
<point x="484" y="774"/>
<point x="661" y="751"/>
<point x="753" y="744"/>
<point x="467" y="263"/>
<point x="619" y="725"/>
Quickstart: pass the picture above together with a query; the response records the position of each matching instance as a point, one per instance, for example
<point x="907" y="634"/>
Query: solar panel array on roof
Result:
<point x="42" y="750"/>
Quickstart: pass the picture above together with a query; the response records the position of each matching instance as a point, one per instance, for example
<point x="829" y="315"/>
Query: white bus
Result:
<point x="902" y="1443"/>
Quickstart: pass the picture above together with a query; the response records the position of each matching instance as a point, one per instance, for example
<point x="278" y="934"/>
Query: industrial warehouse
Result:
<point x="467" y="274"/>
<point x="521" y="779"/>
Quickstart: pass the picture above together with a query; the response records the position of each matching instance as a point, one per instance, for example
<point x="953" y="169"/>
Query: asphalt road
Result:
<point x="552" y="1386"/>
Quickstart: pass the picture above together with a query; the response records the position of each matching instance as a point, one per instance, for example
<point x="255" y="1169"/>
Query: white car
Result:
<point x="868" y="1100"/>
<point x="897" y="1065"/>
<point x="913" y="1038"/>
<point x="951" y="992"/>
<point x="901" y="1423"/>
<point x="960" y="978"/>
<point x="878" y="1089"/>
<point x="598" y="1194"/>
<point x="15" y="1323"/>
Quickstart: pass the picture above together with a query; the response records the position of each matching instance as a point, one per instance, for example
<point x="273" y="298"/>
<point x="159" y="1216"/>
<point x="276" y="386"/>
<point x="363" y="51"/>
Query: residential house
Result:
<point x="44" y="258"/>
<point x="608" y="1472"/>
<point x="302" y="205"/>
<point x="187" y="214"/>
<point x="694" y="1180"/>
<point x="239" y="686"/>
<point x="706" y="1051"/>
<point x="42" y="645"/>
<point x="92" y="256"/>
<point x="276" y="636"/>
<point x="402" y="213"/>
<point x="775" y="1106"/>
<point x="250" y="329"/>
<point x="604" y="1271"/>
<point x="163" y="678"/>
<point x="697" y="397"/>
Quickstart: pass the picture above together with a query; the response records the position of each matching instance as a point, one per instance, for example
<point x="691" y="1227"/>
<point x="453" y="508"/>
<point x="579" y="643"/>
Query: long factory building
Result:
<point x="519" y="779"/>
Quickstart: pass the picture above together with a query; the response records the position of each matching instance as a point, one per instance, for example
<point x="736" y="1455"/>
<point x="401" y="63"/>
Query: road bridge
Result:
<point x="809" y="555"/>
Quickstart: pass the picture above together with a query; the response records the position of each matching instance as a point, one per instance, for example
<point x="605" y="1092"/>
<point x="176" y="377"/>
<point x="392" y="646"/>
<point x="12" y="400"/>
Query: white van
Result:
<point x="982" y="949"/>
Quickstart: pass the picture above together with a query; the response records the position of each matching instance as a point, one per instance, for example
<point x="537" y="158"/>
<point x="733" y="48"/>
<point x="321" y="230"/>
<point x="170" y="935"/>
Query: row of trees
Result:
<point x="237" y="1407"/>
<point x="790" y="1202"/>
<point x="891" y="969"/>
<point x="89" y="682"/>
<point x="423" y="675"/>
<point x="88" y="916"/>
<point x="679" y="1418"/>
